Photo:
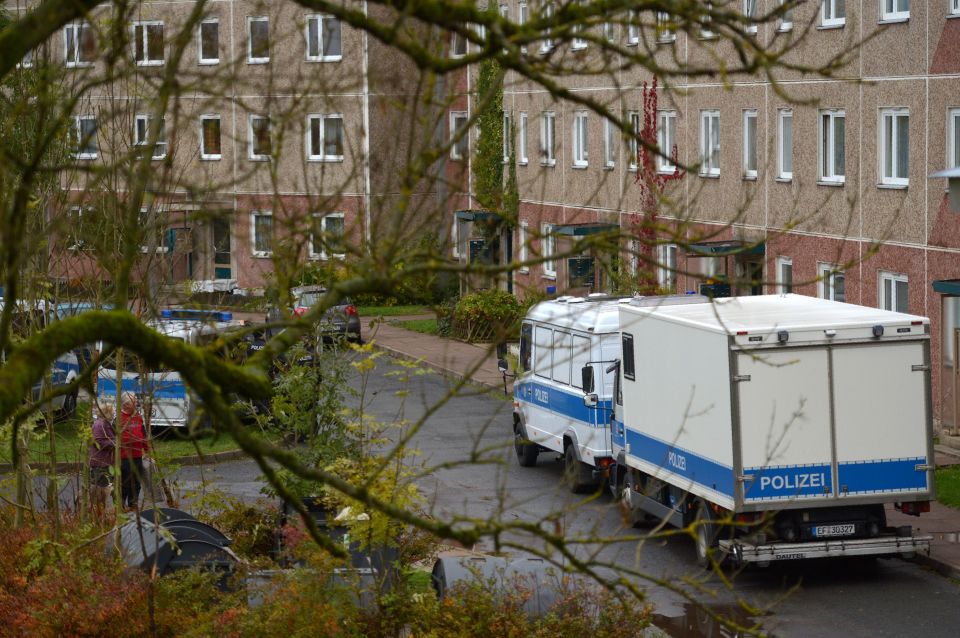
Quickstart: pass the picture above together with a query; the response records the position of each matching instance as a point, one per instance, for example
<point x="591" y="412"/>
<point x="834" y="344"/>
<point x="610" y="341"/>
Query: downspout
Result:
<point x="367" y="216"/>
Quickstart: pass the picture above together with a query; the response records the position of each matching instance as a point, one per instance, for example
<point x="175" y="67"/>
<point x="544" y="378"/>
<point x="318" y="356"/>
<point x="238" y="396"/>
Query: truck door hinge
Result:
<point x="921" y="467"/>
<point x="741" y="377"/>
<point x="920" y="368"/>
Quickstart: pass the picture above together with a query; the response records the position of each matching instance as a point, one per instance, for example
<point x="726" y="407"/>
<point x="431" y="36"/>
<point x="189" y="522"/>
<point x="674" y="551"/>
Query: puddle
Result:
<point x="697" y="622"/>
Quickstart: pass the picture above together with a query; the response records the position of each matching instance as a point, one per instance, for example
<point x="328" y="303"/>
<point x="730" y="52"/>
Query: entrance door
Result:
<point x="222" y="268"/>
<point x="180" y="247"/>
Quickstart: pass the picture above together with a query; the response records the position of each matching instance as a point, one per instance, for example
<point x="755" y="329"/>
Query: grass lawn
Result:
<point x="948" y="486"/>
<point x="392" y="311"/>
<point x="425" y="326"/>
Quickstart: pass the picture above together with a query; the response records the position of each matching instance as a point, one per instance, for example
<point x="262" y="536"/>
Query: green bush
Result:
<point x="486" y="315"/>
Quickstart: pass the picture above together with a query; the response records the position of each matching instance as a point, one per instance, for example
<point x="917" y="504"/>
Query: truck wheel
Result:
<point x="633" y="517"/>
<point x="705" y="537"/>
<point x="526" y="452"/>
<point x="577" y="474"/>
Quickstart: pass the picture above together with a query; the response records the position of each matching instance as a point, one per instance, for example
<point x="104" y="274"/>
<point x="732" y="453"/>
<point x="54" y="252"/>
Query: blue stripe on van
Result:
<point x="785" y="482"/>
<point x="890" y="475"/>
<point x="698" y="469"/>
<point x="158" y="390"/>
<point x="568" y="404"/>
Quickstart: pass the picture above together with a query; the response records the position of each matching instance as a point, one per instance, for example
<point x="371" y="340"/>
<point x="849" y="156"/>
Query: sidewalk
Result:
<point x="479" y="364"/>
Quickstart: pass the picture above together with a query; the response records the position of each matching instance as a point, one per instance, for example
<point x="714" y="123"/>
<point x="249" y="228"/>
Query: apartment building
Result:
<point x="817" y="186"/>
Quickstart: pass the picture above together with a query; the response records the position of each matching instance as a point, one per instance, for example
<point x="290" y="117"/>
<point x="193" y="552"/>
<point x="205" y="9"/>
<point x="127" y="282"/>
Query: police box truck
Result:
<point x="778" y="426"/>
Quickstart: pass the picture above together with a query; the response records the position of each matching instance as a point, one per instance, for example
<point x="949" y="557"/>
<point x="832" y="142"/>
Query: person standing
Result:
<point x="133" y="445"/>
<point x="101" y="454"/>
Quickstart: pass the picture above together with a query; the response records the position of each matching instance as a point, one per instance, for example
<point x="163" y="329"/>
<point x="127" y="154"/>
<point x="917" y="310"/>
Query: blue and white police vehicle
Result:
<point x="558" y="339"/>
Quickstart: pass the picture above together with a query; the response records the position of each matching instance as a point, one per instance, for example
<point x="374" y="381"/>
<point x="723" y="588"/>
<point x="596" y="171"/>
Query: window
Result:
<point x="526" y="338"/>
<point x="506" y="137"/>
<point x="458" y="44"/>
<point x="580" y="139"/>
<point x="562" y="346"/>
<point x="323" y="39"/>
<point x="578" y="43"/>
<point x="75" y="227"/>
<point x="784" y="275"/>
<point x="141" y="136"/>
<point x="258" y="39"/>
<point x="951" y="320"/>
<point x="633" y="28"/>
<point x="750" y="144"/>
<point x="547" y="14"/>
<point x="665" y="28"/>
<point x="259" y="137"/>
<point x="785" y="144"/>
<point x="705" y="32"/>
<point x="152" y="227"/>
<point x="148" y="43"/>
<point x="521" y="20"/>
<point x="609" y="31"/>
<point x="459" y="136"/>
<point x="667" y="266"/>
<point x="750" y="12"/>
<point x="579" y="357"/>
<point x="610" y="135"/>
<point x="894" y="10"/>
<point x="325" y="137"/>
<point x="634" y="144"/>
<point x="832" y="282"/>
<point x="79" y="44"/>
<point x="895" y="147"/>
<point x="522" y="141"/>
<point x="327" y="240"/>
<point x="953" y="141"/>
<point x="543" y="351"/>
<point x="261" y="227"/>
<point x="955" y="7"/>
<point x="785" y="21"/>
<point x="893" y="292"/>
<point x="210" y="137"/>
<point x="84" y="135"/>
<point x="26" y="61"/>
<point x="832" y="146"/>
<point x="208" y="36"/>
<point x="709" y="142"/>
<point x="629" y="365"/>
<point x="523" y="236"/>
<point x="666" y="140"/>
<point x="548" y="130"/>
<point x="833" y="13"/>
<point x="549" y="245"/>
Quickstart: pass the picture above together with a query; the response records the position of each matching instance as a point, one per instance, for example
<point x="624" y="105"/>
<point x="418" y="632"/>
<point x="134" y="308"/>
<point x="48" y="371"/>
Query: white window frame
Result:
<point x="145" y="26"/>
<point x="785" y="21"/>
<point x="548" y="245"/>
<point x="506" y="137"/>
<point x="323" y="254"/>
<point x="827" y="119"/>
<point x="633" y="29"/>
<point x="955" y="7"/>
<point x="827" y="281"/>
<point x="665" y="31"/>
<point x="782" y="151"/>
<point x="894" y="11"/>
<point x="203" y="150"/>
<point x="828" y="14"/>
<point x="78" y="132"/>
<point x="889" y="147"/>
<point x="750" y="145"/>
<point x="953" y="136"/>
<point x="546" y="45"/>
<point x="705" y="32"/>
<point x="577" y="43"/>
<point x="610" y="31"/>
<point x="26" y="61"/>
<point x="322" y="155"/>
<point x="455" y="151"/>
<point x="611" y="132"/>
<point x="318" y="19"/>
<point x="522" y="15"/>
<point x="252" y="138"/>
<point x="74" y="61"/>
<point x="667" y="266"/>
<point x="145" y="220"/>
<point x="250" y="58"/>
<point x="633" y="145"/>
<point x="750" y="11"/>
<point x="200" y="58"/>
<point x="522" y="141"/>
<point x="891" y="302"/>
<point x="523" y="237"/>
<point x="141" y="135"/>
<point x="710" y="143"/>
<point x="548" y="138"/>
<point x="253" y="233"/>
<point x="580" y="139"/>
<point x="666" y="140"/>
<point x="784" y="287"/>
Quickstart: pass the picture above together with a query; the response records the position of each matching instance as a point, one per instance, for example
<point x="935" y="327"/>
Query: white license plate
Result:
<point x="821" y="531"/>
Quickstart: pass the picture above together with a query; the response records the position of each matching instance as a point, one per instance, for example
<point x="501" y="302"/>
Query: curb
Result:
<point x="940" y="567"/>
<point x="195" y="459"/>
<point x="458" y="376"/>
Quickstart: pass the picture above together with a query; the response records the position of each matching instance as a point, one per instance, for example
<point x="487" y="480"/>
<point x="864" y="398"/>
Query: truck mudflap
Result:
<point x="905" y="546"/>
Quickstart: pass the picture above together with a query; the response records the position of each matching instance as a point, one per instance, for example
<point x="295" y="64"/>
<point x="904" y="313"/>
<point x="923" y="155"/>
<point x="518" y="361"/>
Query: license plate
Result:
<point x="821" y="531"/>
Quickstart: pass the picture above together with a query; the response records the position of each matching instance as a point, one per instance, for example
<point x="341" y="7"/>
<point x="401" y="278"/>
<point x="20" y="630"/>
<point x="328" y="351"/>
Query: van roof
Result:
<point x="597" y="314"/>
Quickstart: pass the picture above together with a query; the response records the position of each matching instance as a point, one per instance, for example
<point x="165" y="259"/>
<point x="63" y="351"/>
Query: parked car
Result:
<point x="340" y="320"/>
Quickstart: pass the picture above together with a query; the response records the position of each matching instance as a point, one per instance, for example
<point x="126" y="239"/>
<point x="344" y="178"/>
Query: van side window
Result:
<point x="629" y="371"/>
<point x="542" y="351"/>
<point x="561" y="357"/>
<point x="526" y="336"/>
<point x="579" y="358"/>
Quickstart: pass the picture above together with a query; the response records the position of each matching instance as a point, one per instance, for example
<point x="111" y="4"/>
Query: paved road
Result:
<point x="831" y="598"/>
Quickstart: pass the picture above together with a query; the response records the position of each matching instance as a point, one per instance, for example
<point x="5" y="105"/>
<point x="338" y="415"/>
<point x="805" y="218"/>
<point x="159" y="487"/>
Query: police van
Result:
<point x="558" y="339"/>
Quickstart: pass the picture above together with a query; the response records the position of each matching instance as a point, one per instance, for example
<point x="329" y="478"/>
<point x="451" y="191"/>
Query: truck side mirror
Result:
<point x="586" y="379"/>
<point x="590" y="400"/>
